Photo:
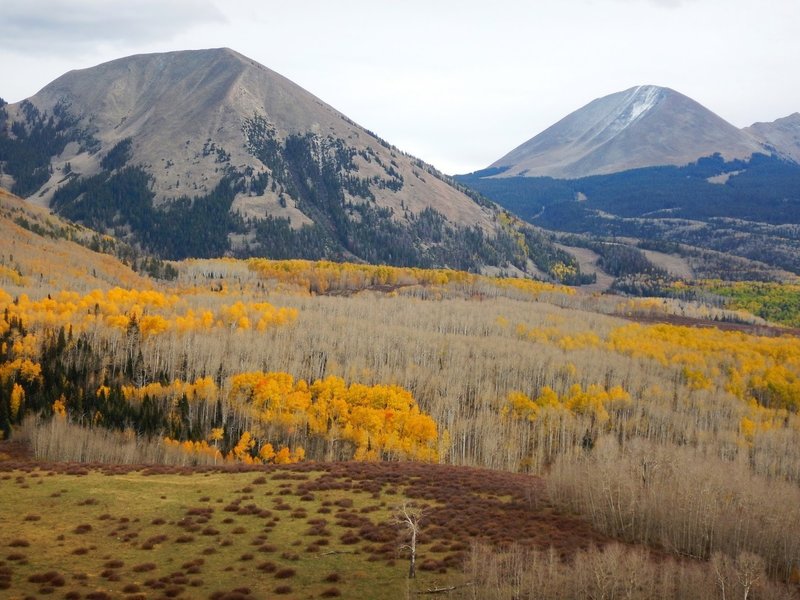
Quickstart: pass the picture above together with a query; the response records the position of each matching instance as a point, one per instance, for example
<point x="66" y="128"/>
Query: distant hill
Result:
<point x="208" y="153"/>
<point x="653" y="165"/>
<point x="781" y="135"/>
<point x="641" y="127"/>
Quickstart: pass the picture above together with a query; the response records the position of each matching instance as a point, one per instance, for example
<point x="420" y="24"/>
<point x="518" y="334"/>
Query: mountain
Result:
<point x="640" y="127"/>
<point x="208" y="153"/>
<point x="651" y="165"/>
<point x="782" y="135"/>
<point x="187" y="113"/>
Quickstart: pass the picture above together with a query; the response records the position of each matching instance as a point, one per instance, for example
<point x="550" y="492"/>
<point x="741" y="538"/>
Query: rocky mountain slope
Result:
<point x="208" y="153"/>
<point x="191" y="113"/>
<point x="781" y="135"/>
<point x="639" y="127"/>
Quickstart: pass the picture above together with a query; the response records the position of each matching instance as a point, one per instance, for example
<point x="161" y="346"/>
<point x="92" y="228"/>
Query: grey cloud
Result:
<point x="52" y="26"/>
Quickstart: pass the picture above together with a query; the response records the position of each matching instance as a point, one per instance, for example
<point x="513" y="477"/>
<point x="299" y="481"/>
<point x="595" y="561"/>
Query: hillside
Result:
<point x="747" y="210"/>
<point x="206" y="153"/>
<point x="42" y="251"/>
<point x="310" y="531"/>
<point x="652" y="170"/>
<point x="417" y="376"/>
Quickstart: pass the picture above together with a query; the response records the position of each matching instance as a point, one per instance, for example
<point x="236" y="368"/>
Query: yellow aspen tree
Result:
<point x="17" y="396"/>
<point x="216" y="435"/>
<point x="242" y="449"/>
<point x="60" y="407"/>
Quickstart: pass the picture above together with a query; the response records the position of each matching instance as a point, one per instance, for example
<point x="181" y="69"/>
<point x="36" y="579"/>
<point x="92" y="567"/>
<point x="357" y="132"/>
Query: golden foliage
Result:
<point x="60" y="407"/>
<point x="324" y="276"/>
<point x="380" y="420"/>
<point x="203" y="389"/>
<point x="593" y="401"/>
<point x="152" y="312"/>
<point x="765" y="369"/>
<point x="196" y="450"/>
<point x="20" y="369"/>
<point x="17" y="396"/>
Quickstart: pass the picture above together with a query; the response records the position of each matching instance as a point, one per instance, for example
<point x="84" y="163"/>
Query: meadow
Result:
<point x="301" y="531"/>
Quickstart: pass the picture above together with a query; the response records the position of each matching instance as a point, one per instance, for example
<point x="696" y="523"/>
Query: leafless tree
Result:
<point x="409" y="516"/>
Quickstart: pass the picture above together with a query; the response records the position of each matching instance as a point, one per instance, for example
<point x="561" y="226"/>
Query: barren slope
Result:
<point x="642" y="126"/>
<point x="781" y="134"/>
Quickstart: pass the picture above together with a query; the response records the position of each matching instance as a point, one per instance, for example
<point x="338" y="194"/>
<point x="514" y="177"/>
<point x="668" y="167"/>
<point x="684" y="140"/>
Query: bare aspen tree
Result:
<point x="409" y="516"/>
<point x="722" y="568"/>
<point x="750" y="568"/>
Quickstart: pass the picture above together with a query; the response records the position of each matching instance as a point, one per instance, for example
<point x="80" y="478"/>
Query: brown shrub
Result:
<point x="349" y="538"/>
<point x="267" y="567"/>
<point x="184" y="539"/>
<point x="114" y="564"/>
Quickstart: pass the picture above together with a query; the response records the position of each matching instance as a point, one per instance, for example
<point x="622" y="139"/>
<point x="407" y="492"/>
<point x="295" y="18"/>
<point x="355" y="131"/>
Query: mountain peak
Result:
<point x="644" y="98"/>
<point x="642" y="126"/>
<point x="178" y="105"/>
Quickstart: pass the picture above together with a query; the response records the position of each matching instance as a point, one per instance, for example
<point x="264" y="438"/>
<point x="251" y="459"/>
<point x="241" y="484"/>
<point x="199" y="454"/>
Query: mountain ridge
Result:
<point x="653" y="165"/>
<point x="782" y="135"/>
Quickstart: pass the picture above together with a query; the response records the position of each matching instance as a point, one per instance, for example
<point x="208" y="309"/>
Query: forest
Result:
<point x="667" y="425"/>
<point x="753" y="212"/>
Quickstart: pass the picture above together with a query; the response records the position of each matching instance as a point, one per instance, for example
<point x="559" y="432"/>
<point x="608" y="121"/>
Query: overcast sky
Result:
<point x="456" y="83"/>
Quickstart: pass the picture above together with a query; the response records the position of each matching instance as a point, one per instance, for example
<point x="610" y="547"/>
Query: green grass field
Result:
<point x="310" y="531"/>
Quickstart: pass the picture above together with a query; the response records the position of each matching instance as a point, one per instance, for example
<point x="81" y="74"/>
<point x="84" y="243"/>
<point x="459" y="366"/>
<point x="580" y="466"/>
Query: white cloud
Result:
<point x="49" y="27"/>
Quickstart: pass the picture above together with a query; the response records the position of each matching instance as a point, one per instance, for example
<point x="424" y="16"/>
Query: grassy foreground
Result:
<point x="302" y="531"/>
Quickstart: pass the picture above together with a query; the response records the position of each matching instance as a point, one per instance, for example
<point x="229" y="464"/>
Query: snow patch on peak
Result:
<point x="629" y="108"/>
<point x="644" y="98"/>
